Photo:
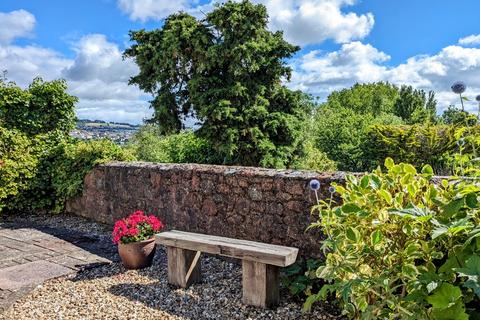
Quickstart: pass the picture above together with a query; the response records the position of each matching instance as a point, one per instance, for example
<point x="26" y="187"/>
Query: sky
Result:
<point x="428" y="44"/>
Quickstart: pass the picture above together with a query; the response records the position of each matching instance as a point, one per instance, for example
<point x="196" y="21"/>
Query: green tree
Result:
<point x="455" y="116"/>
<point x="415" y="106"/>
<point x="339" y="132"/>
<point x="44" y="107"/>
<point x="367" y="98"/>
<point x="225" y="70"/>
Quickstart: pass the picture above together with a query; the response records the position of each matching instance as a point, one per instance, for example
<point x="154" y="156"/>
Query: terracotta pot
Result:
<point x="137" y="255"/>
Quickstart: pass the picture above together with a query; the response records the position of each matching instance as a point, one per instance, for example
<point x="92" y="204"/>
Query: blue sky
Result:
<point x="343" y="42"/>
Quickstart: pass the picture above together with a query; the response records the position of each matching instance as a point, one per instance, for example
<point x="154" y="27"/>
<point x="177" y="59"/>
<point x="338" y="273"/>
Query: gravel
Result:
<point x="112" y="292"/>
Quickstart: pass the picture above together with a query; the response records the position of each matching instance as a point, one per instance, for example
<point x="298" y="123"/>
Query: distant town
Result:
<point x="97" y="129"/>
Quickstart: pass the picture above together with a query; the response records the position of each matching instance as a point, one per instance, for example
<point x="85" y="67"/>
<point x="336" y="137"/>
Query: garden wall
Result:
<point x="247" y="203"/>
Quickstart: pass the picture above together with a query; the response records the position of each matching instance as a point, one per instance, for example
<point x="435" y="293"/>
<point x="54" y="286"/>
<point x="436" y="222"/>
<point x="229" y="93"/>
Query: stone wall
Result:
<point x="264" y="205"/>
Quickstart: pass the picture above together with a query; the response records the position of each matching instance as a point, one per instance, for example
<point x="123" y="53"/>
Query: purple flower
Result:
<point x="314" y="184"/>
<point x="459" y="87"/>
<point x="461" y="142"/>
<point x="478" y="98"/>
<point x="331" y="189"/>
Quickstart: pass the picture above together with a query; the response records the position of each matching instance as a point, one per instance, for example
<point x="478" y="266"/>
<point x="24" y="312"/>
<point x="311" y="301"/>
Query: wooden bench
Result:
<point x="260" y="262"/>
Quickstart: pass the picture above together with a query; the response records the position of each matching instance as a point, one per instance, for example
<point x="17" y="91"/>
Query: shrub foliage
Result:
<point x="417" y="144"/>
<point x="44" y="107"/>
<point x="40" y="165"/>
<point x="401" y="246"/>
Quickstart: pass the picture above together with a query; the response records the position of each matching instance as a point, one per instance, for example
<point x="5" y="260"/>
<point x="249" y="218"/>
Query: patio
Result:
<point x="66" y="267"/>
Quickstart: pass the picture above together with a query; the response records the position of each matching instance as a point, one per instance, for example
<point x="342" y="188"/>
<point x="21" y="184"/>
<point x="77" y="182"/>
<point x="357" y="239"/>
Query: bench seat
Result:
<point x="235" y="248"/>
<point x="260" y="262"/>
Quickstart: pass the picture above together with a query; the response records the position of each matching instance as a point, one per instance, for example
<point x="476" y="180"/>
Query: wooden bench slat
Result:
<point x="242" y="249"/>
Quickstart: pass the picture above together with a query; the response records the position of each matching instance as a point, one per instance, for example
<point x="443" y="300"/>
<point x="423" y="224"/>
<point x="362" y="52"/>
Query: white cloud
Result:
<point x="473" y="39"/>
<point x="97" y="75"/>
<point x="303" y="21"/>
<point x="28" y="62"/>
<point x="97" y="58"/>
<point x="15" y="24"/>
<point x="320" y="73"/>
<point x="314" y="21"/>
<point x="144" y="10"/>
<point x="118" y="110"/>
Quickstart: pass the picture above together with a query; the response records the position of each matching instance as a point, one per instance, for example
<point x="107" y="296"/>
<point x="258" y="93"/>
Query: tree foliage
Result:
<point x="380" y="98"/>
<point x="149" y="145"/>
<point x="367" y="98"/>
<point x="455" y="116"/>
<point x="226" y="71"/>
<point x="339" y="133"/>
<point x="416" y="106"/>
<point x="44" y="107"/>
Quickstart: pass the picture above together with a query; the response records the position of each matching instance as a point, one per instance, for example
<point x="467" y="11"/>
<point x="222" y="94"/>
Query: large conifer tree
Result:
<point x="225" y="70"/>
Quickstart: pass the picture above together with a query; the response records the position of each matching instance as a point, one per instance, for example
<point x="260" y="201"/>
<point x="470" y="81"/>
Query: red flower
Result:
<point x="119" y="230"/>
<point x="136" y="227"/>
<point x="133" y="232"/>
<point x="136" y="218"/>
<point x="156" y="224"/>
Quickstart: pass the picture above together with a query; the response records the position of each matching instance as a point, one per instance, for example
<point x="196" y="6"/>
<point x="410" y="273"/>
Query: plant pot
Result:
<point x="137" y="255"/>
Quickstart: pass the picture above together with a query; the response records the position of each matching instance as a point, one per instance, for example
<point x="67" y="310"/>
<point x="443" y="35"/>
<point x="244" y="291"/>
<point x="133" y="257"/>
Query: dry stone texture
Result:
<point x="257" y="204"/>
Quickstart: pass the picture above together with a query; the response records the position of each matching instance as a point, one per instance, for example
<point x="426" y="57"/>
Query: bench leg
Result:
<point x="260" y="284"/>
<point x="183" y="266"/>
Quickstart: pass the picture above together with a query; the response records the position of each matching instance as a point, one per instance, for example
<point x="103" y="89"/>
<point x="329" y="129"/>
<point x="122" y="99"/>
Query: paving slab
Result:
<point x="36" y="272"/>
<point x="34" y="249"/>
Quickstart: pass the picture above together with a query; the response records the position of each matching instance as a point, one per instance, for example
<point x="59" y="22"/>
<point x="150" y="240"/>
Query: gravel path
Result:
<point x="111" y="292"/>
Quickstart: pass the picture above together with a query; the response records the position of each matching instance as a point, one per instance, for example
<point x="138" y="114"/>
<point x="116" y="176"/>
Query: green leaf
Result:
<point x="471" y="200"/>
<point x="453" y="207"/>
<point x="307" y="306"/>
<point x="385" y="195"/>
<point x="427" y="170"/>
<point x="364" y="182"/>
<point x="389" y="163"/>
<point x="350" y="208"/>
<point x="353" y="234"/>
<point x="454" y="312"/>
<point x="440" y="231"/>
<point x="445" y="296"/>
<point x="472" y="272"/>
<point x="410" y="169"/>
<point x="376" y="237"/>
<point x="375" y="182"/>
<point x="409" y="270"/>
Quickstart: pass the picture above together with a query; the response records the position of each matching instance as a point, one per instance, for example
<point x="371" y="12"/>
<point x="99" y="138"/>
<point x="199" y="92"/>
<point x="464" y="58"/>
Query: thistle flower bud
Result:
<point x="314" y="184"/>
<point x="459" y="87"/>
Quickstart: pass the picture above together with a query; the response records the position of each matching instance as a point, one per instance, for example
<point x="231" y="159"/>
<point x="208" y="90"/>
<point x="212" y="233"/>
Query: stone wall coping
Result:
<point x="231" y="170"/>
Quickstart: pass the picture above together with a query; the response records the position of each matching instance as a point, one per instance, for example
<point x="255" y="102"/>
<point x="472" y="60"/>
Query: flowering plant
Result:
<point x="137" y="227"/>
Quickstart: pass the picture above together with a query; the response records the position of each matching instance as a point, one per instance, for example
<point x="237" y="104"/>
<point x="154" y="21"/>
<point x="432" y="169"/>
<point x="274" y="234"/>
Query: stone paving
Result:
<point x="32" y="252"/>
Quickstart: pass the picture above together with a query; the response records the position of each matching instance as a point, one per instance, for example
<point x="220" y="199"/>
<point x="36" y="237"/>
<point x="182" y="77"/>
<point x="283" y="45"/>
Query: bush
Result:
<point x="314" y="159"/>
<point x="339" y="134"/>
<point x="418" y="145"/>
<point x="18" y="164"/>
<point x="44" y="107"/>
<point x="402" y="247"/>
<point x="184" y="147"/>
<point x="76" y="159"/>
<point x="300" y="278"/>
